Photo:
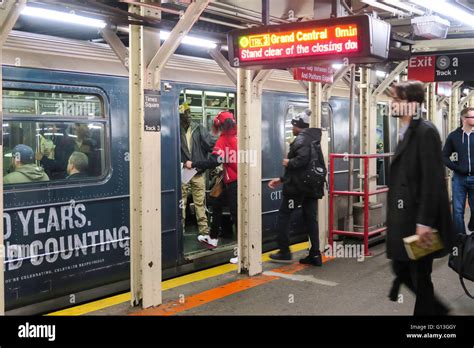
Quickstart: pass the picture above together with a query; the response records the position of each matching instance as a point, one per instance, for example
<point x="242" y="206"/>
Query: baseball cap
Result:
<point x="23" y="153"/>
<point x="301" y="120"/>
<point x="222" y="116"/>
<point x="220" y="119"/>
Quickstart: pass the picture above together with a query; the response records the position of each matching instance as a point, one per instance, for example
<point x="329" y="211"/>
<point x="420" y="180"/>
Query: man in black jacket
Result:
<point x="417" y="198"/>
<point x="460" y="145"/>
<point x="196" y="145"/>
<point x="294" y="195"/>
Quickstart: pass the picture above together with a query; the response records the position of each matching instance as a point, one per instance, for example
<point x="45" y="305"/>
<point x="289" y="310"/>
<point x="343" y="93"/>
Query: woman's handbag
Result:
<point x="218" y="187"/>
<point x="461" y="259"/>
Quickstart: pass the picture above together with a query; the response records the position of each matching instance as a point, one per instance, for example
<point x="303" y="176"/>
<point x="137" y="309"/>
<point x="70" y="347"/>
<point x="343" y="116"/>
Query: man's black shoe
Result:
<point x="281" y="257"/>
<point x="312" y="260"/>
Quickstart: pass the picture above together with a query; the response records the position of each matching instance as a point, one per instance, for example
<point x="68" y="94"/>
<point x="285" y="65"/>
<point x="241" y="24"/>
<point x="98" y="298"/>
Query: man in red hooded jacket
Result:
<point x="225" y="152"/>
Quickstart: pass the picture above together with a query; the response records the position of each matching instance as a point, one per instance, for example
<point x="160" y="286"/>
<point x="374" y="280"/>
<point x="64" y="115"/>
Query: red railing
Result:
<point x="365" y="194"/>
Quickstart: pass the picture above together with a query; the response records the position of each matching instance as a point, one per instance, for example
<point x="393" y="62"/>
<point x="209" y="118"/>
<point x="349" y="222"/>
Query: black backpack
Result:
<point x="313" y="177"/>
<point x="461" y="259"/>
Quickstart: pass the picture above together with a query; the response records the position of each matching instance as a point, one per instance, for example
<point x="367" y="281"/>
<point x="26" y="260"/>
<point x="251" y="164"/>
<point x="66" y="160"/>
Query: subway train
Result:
<point x="68" y="241"/>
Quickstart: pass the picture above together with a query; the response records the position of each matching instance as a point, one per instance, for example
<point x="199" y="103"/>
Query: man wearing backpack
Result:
<point x="304" y="154"/>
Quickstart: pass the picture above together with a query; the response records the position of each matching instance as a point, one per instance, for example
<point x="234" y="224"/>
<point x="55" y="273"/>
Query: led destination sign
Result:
<point x="357" y="37"/>
<point x="337" y="39"/>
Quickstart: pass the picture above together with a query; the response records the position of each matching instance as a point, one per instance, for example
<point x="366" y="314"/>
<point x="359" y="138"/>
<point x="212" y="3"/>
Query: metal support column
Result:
<point x="471" y="101"/>
<point x="350" y="177"/>
<point x="145" y="176"/>
<point x="147" y="59"/>
<point x="315" y="94"/>
<point x="430" y="100"/>
<point x="249" y="203"/>
<point x="9" y="13"/>
<point x="368" y="113"/>
<point x="454" y="109"/>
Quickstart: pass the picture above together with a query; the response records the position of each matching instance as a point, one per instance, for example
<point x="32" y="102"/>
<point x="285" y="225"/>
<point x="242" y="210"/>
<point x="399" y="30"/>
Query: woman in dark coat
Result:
<point x="418" y="199"/>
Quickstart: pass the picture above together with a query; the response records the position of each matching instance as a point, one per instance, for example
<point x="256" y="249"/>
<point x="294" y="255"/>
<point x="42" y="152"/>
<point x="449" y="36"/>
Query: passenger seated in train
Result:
<point x="225" y="152"/>
<point x="77" y="166"/>
<point x="196" y="145"/>
<point x="65" y="144"/>
<point x="23" y="167"/>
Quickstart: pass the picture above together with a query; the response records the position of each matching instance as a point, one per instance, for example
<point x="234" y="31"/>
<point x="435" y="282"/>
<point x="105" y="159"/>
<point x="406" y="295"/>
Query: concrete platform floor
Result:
<point x="343" y="286"/>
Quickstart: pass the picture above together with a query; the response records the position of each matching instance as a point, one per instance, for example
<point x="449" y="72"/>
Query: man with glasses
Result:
<point x="458" y="155"/>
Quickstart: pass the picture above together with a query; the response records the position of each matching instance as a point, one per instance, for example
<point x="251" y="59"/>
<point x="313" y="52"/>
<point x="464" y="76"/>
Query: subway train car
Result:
<point x="68" y="239"/>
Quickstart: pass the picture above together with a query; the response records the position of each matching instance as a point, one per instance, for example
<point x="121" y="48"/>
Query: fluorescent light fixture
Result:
<point x="51" y="134"/>
<point x="382" y="6"/>
<point x="447" y="9"/>
<point x="193" y="92"/>
<point x="216" y="94"/>
<point x="337" y="66"/>
<point x="190" y="40"/>
<point x="380" y="73"/>
<point x="404" y="6"/>
<point x="430" y="27"/>
<point x="62" y="17"/>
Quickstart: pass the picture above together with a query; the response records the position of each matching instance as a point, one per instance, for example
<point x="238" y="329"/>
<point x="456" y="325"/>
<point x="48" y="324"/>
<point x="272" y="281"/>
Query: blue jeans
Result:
<point x="462" y="188"/>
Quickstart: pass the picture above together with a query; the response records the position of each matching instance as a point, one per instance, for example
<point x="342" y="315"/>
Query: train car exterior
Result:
<point x="68" y="242"/>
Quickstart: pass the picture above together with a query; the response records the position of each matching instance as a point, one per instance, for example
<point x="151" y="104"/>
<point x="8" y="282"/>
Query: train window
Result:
<point x="44" y="103"/>
<point x="194" y="99"/>
<point x="205" y="105"/>
<point x="65" y="151"/>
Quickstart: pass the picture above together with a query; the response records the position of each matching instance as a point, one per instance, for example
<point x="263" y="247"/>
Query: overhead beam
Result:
<point x="116" y="44"/>
<point x="181" y="29"/>
<point x="302" y="83"/>
<point x="327" y="89"/>
<point x="466" y="99"/>
<point x="222" y="61"/>
<point x="431" y="46"/>
<point x="389" y="79"/>
<point x="9" y="14"/>
<point x="260" y="78"/>
<point x="446" y="99"/>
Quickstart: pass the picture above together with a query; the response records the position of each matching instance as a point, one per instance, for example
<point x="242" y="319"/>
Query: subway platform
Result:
<point x="342" y="286"/>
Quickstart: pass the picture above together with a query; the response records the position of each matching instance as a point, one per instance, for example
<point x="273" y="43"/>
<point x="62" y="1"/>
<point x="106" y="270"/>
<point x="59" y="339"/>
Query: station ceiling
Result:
<point x="221" y="16"/>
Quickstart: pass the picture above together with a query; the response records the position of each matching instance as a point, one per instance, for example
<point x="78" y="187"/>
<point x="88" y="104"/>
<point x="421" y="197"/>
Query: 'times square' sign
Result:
<point x="358" y="38"/>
